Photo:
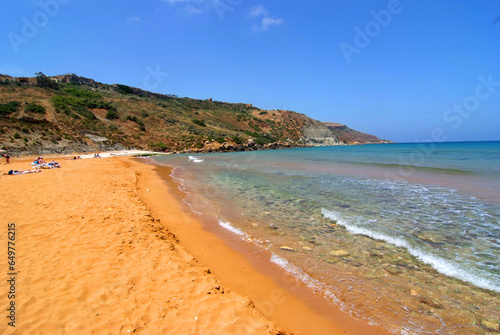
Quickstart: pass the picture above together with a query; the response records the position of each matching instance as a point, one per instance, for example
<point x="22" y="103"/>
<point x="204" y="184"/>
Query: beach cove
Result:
<point x="107" y="246"/>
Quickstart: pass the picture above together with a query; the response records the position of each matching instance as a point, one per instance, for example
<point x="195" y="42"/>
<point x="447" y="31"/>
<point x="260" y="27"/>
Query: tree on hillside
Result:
<point x="45" y="82"/>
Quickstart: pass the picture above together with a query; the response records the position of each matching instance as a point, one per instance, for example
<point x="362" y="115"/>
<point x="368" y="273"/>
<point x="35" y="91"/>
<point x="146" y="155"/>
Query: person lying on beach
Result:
<point x="51" y="165"/>
<point x="97" y="156"/>
<point x="54" y="164"/>
<point x="18" y="172"/>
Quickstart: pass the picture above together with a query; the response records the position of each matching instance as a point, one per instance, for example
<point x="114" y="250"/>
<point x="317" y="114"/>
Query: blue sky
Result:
<point x="402" y="70"/>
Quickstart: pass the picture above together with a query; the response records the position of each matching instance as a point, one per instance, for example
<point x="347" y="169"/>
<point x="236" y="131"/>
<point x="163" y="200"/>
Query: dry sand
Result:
<point x="95" y="254"/>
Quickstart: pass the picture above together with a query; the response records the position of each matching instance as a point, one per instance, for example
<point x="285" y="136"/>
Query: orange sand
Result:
<point x="95" y="254"/>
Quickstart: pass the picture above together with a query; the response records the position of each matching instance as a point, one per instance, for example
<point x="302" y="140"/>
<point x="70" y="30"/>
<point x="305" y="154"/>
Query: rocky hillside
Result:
<point x="68" y="113"/>
<point x="350" y="136"/>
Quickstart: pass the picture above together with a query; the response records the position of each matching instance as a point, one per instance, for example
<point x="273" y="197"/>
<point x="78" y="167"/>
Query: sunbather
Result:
<point x="51" y="165"/>
<point x="17" y="172"/>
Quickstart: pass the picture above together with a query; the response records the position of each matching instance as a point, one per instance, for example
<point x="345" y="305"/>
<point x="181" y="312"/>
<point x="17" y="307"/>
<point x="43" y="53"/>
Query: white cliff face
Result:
<point x="315" y="133"/>
<point x="321" y="141"/>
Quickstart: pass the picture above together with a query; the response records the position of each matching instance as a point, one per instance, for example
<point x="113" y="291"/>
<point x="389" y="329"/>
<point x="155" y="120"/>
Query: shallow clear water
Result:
<point x="410" y="216"/>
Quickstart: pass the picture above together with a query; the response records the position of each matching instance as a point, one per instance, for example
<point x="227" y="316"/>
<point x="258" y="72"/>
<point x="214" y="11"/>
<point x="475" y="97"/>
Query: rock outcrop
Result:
<point x="350" y="136"/>
<point x="234" y="147"/>
<point x="74" y="79"/>
<point x="315" y="133"/>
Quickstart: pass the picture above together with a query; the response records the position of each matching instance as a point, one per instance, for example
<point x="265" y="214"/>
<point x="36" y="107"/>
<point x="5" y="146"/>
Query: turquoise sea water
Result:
<point x="408" y="217"/>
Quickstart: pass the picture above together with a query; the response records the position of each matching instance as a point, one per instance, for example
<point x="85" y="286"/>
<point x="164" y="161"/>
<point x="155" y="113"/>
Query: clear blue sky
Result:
<point x="398" y="79"/>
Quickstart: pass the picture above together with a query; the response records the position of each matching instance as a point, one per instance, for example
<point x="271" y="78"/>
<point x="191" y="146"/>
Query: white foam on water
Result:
<point x="232" y="228"/>
<point x="292" y="269"/>
<point x="179" y="180"/>
<point x="195" y="159"/>
<point x="192" y="208"/>
<point x="441" y="265"/>
<point x="280" y="261"/>
<point x="305" y="279"/>
<point x="182" y="188"/>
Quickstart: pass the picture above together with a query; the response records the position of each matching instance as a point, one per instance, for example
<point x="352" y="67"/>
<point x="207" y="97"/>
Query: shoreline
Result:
<point x="97" y="252"/>
<point x="247" y="269"/>
<point x="404" y="287"/>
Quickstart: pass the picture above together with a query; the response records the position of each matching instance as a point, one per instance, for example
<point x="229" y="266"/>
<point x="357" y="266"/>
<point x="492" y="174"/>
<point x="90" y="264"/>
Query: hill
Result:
<point x="350" y="136"/>
<point x="69" y="113"/>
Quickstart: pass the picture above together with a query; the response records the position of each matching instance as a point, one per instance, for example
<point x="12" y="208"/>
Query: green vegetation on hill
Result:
<point x="131" y="117"/>
<point x="9" y="107"/>
<point x="82" y="93"/>
<point x="66" y="113"/>
<point x="34" y="108"/>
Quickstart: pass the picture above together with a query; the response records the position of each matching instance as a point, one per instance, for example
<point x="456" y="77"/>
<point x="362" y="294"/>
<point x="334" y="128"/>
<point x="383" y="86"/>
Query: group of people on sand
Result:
<point x="40" y="163"/>
<point x="37" y="164"/>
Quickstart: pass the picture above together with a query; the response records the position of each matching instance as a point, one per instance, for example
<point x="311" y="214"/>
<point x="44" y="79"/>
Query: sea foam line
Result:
<point x="232" y="228"/>
<point x="297" y="273"/>
<point x="318" y="286"/>
<point x="290" y="268"/>
<point x="445" y="267"/>
<point x="182" y="188"/>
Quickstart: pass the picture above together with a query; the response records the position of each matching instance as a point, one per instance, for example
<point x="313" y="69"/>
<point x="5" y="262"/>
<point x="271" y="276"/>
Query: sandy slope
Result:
<point x="92" y="260"/>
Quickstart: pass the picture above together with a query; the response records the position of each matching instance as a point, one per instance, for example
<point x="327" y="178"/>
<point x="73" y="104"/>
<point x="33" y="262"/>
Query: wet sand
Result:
<point x="106" y="246"/>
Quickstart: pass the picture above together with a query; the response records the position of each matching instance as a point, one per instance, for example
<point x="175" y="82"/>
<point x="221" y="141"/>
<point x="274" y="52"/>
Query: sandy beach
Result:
<point x="104" y="246"/>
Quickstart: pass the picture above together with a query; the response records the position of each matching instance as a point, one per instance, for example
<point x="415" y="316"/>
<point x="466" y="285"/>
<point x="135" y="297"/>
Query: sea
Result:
<point x="406" y="236"/>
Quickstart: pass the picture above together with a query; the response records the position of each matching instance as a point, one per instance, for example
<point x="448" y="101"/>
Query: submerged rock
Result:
<point x="490" y="325"/>
<point x="308" y="248"/>
<point x="340" y="253"/>
<point x="308" y="239"/>
<point x="393" y="270"/>
<point x="332" y="226"/>
<point x="432" y="239"/>
<point x="287" y="248"/>
<point x="331" y="260"/>
<point x="430" y="302"/>
<point x="354" y="263"/>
